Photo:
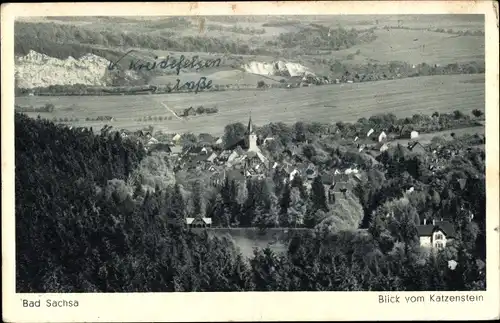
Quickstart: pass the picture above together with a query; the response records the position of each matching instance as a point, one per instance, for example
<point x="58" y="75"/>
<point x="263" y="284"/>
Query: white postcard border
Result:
<point x="249" y="306"/>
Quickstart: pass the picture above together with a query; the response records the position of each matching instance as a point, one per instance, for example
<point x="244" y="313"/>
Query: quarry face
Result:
<point x="277" y="68"/>
<point x="39" y="70"/>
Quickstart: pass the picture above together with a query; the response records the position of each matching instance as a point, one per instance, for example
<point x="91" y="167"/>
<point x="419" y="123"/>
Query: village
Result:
<point x="248" y="157"/>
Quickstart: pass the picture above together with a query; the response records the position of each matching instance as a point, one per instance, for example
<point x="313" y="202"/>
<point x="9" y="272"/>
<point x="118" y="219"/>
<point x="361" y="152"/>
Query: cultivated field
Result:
<point x="417" y="46"/>
<point x="328" y="103"/>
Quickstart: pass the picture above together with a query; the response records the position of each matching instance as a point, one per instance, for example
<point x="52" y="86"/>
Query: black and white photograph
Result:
<point x="250" y="153"/>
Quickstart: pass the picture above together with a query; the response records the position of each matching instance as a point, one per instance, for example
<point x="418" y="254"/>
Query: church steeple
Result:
<point x="250" y="128"/>
<point x="251" y="137"/>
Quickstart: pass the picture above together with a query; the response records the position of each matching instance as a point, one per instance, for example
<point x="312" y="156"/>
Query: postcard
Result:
<point x="238" y="161"/>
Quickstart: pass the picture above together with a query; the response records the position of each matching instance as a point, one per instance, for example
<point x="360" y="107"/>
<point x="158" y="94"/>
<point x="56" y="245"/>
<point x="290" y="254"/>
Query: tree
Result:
<point x="49" y="107"/>
<point x="318" y="195"/>
<point x="284" y="205"/>
<point x="477" y="113"/>
<point x="309" y="151"/>
<point x="233" y="132"/>
<point x="261" y="84"/>
<point x="177" y="206"/>
<point x="297" y="209"/>
<point x="197" y="198"/>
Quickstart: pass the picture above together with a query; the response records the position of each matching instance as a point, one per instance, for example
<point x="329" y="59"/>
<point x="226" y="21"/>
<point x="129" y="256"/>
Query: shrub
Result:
<point x="200" y="109"/>
<point x="49" y="107"/>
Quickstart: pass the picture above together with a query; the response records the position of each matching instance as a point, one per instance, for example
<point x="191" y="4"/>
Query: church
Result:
<point x="252" y="155"/>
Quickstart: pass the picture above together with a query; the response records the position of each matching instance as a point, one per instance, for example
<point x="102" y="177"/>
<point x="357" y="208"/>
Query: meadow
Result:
<point x="328" y="103"/>
<point x="415" y="47"/>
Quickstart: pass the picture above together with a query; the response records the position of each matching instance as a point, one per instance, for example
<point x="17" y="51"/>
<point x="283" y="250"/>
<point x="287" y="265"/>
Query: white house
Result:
<point x="198" y="222"/>
<point x="232" y="156"/>
<point x="177" y="137"/>
<point x="212" y="157"/>
<point x="267" y="140"/>
<point x="152" y="141"/>
<point x="293" y="173"/>
<point x="413" y="135"/>
<point x="435" y="235"/>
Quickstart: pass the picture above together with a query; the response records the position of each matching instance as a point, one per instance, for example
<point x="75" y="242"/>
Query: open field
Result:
<point x="328" y="103"/>
<point x="415" y="47"/>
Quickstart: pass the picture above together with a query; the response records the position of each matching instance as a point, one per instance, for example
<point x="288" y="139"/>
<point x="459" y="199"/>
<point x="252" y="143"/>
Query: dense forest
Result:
<point x="84" y="223"/>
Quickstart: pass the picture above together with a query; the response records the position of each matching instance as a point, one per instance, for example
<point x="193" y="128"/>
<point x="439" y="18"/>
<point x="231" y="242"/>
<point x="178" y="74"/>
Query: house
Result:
<point x="267" y="140"/>
<point x="176" y="138"/>
<point x="382" y="136"/>
<point x="223" y="156"/>
<point x="189" y="112"/>
<point x="212" y="157"/>
<point x="152" y="141"/>
<point x="219" y="141"/>
<point x="233" y="155"/>
<point x="370" y="133"/>
<point x="383" y="147"/>
<point x="294" y="173"/>
<point x="194" y="151"/>
<point x="216" y="179"/>
<point x="254" y="158"/>
<point x="175" y="150"/>
<point x="436" y="235"/>
<point x="413" y="134"/>
<point x="416" y="147"/>
<point x="199" y="222"/>
<point x="351" y="171"/>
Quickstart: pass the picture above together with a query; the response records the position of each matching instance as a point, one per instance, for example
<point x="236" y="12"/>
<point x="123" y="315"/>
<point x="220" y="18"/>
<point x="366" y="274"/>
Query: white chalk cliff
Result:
<point x="277" y="68"/>
<point x="40" y="70"/>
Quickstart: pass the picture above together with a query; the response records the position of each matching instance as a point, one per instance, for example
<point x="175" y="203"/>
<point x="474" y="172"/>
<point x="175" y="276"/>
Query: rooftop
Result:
<point x="428" y="229"/>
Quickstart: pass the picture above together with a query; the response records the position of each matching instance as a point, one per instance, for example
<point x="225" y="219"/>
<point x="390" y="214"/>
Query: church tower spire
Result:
<point x="251" y="137"/>
<point x="250" y="127"/>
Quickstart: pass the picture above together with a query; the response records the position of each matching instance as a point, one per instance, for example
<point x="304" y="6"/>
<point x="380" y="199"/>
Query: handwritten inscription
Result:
<point x="175" y="64"/>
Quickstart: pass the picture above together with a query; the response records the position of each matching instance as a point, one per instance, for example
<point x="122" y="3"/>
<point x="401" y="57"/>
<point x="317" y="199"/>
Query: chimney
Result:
<point x="433" y="221"/>
<point x="425" y="221"/>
